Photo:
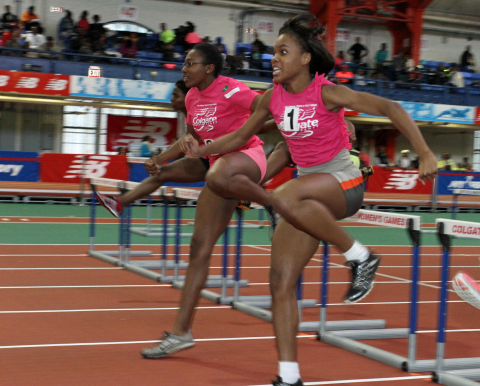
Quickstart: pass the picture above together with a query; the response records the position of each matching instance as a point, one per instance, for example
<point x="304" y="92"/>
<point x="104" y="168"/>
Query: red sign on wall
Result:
<point x="124" y="130"/>
<point x="69" y="167"/>
<point x="397" y="181"/>
<point x="34" y="83"/>
<point x="477" y="116"/>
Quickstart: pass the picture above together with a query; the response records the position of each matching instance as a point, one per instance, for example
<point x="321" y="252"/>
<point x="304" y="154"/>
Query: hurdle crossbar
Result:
<point x="466" y="370"/>
<point x="348" y="339"/>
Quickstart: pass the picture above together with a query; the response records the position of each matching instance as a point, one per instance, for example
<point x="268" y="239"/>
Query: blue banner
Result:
<point x="19" y="166"/>
<point x="138" y="174"/>
<point x="450" y="180"/>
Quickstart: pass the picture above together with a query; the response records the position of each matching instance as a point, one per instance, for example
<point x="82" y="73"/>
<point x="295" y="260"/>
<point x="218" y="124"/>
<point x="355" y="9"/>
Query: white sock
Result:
<point x="357" y="252"/>
<point x="289" y="371"/>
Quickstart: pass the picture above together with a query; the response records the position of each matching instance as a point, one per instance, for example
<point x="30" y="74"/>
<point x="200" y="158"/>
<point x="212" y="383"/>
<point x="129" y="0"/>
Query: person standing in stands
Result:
<point x="309" y="112"/>
<point x="357" y="51"/>
<point x="28" y="18"/>
<point x="380" y="57"/>
<point x="66" y="28"/>
<point x="83" y="21"/>
<point x="8" y="18"/>
<point x="466" y="60"/>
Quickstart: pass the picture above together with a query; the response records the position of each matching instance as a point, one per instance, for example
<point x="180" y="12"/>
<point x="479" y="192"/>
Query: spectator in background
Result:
<point x="220" y="45"/>
<point x="416" y="75"/>
<point x="166" y="36"/>
<point x="207" y="39"/>
<point x="399" y="63"/>
<point x="28" y="18"/>
<point x="145" y="150"/>
<point x="9" y="20"/>
<point x="122" y="150"/>
<point x="380" y="57"/>
<point x="96" y="29"/>
<point x="404" y="161"/>
<point x="128" y="48"/>
<point x="409" y="63"/>
<point x="192" y="37"/>
<point x="15" y="41"/>
<point x="466" y="60"/>
<point x="168" y="53"/>
<point x="261" y="46"/>
<point x="441" y="74"/>
<point x="83" y="21"/>
<point x="66" y="28"/>
<point x="344" y="75"/>
<point x="339" y="59"/>
<point x="446" y="163"/>
<point x="381" y="158"/>
<point x="256" y="58"/>
<point x="180" y="34"/>
<point x="99" y="47"/>
<point x="357" y="51"/>
<point x="360" y="77"/>
<point x="35" y="39"/>
<point x="49" y="48"/>
<point x="456" y="77"/>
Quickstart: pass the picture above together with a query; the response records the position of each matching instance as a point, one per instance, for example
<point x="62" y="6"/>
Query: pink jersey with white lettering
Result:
<point x="314" y="134"/>
<point x="221" y="108"/>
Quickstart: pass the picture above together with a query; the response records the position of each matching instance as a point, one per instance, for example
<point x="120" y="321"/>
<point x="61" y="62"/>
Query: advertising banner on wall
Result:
<point x="19" y="166"/>
<point x="437" y="113"/>
<point x="397" y="181"/>
<point x="125" y="89"/>
<point x="34" y="83"/>
<point x="450" y="180"/>
<point x="68" y="167"/>
<point x="125" y="131"/>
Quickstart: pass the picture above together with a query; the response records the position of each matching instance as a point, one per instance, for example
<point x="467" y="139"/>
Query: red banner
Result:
<point x="397" y="180"/>
<point x="34" y="83"/>
<point x="124" y="131"/>
<point x="68" y="167"/>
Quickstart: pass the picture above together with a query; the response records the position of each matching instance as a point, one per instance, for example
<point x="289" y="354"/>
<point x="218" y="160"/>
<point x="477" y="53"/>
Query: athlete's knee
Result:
<point x="283" y="147"/>
<point x="283" y="203"/>
<point x="281" y="281"/>
<point x="217" y="181"/>
<point x="199" y="250"/>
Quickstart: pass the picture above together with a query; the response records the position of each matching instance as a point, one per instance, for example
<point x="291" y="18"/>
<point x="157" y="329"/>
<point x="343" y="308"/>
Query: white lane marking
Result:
<point x="111" y="310"/>
<point x="366" y="380"/>
<point x="87" y="286"/>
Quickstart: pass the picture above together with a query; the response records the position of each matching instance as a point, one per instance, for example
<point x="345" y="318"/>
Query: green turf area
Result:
<point x="64" y="233"/>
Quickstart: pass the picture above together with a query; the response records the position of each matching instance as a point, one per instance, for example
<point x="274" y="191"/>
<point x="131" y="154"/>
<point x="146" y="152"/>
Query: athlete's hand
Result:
<point x="189" y="145"/>
<point x="151" y="167"/>
<point x="428" y="167"/>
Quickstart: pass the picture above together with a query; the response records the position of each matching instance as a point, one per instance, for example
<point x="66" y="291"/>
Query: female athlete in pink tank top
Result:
<point x="309" y="112"/>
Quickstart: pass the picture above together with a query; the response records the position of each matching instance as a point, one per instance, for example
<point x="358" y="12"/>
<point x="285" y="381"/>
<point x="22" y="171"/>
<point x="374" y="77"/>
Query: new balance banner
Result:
<point x="125" y="131"/>
<point x="19" y="166"/>
<point x="68" y="167"/>
<point x="397" y="181"/>
<point x="34" y="83"/>
<point x="449" y="180"/>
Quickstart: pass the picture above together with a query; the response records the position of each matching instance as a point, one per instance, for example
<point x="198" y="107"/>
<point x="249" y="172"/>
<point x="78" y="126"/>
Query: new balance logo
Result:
<point x="402" y="179"/>
<point x="26" y="82"/>
<point x="4" y="80"/>
<point x="56" y="84"/>
<point x="95" y="167"/>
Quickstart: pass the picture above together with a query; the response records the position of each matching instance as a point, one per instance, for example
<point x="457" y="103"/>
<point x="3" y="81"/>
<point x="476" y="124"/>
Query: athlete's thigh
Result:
<point x="236" y="163"/>
<point x="321" y="187"/>
<point x="212" y="216"/>
<point x="184" y="170"/>
<point x="291" y="249"/>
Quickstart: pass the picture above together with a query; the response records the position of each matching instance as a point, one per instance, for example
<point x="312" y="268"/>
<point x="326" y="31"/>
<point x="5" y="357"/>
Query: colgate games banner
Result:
<point x="68" y="167"/>
<point x="397" y="181"/>
<point x="34" y="83"/>
<point x="124" y="130"/>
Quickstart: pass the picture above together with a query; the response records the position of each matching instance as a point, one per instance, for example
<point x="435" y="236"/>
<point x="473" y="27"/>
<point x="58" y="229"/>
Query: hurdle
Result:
<point x="121" y="257"/>
<point x="255" y="308"/>
<point x="218" y="281"/>
<point x="458" y="371"/>
<point x="348" y="339"/>
<point x="461" y="192"/>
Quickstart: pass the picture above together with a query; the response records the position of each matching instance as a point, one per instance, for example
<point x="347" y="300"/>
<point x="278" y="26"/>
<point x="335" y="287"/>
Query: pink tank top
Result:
<point x="314" y="134"/>
<point x="221" y="108"/>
